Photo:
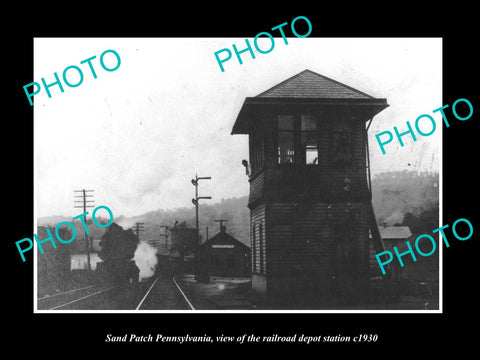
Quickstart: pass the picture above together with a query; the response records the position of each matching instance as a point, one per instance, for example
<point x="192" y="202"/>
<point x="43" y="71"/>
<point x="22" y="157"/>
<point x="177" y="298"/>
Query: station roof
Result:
<point x="395" y="232"/>
<point x="307" y="87"/>
<point x="221" y="239"/>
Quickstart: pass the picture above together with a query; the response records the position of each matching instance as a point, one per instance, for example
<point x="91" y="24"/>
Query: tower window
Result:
<point x="256" y="156"/>
<point x="342" y="142"/>
<point x="309" y="139"/>
<point x="286" y="140"/>
<point x="297" y="140"/>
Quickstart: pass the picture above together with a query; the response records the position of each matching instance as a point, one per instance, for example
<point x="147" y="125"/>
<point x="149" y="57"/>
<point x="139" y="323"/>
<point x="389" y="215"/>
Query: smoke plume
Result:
<point x="146" y="259"/>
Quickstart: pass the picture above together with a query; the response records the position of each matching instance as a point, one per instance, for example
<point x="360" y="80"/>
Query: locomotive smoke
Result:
<point x="146" y="259"/>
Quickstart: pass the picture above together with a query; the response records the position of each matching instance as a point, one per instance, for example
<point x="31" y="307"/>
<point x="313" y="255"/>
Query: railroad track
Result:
<point x="165" y="294"/>
<point x="160" y="293"/>
<point x="70" y="299"/>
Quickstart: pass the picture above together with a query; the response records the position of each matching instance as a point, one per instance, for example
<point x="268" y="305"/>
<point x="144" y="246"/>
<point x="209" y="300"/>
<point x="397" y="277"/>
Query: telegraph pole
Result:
<point x="165" y="236"/>
<point x="137" y="228"/>
<point x="85" y="194"/>
<point x="221" y="221"/>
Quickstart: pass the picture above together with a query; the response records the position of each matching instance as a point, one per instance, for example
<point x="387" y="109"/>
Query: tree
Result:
<point x="118" y="249"/>
<point x="424" y="222"/>
<point x="118" y="244"/>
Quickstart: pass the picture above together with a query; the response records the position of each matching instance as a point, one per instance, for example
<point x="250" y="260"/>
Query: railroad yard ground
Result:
<point x="221" y="293"/>
<point x="224" y="293"/>
<point x="179" y="292"/>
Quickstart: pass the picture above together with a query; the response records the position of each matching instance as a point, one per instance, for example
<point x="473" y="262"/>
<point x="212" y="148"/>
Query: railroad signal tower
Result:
<point x="310" y="197"/>
<point x="195" y="202"/>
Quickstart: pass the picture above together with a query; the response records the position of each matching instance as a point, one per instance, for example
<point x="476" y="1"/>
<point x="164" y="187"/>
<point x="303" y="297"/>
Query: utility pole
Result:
<point x="195" y="202"/>
<point x="165" y="236"/>
<point x="85" y="194"/>
<point x="137" y="228"/>
<point x="221" y="221"/>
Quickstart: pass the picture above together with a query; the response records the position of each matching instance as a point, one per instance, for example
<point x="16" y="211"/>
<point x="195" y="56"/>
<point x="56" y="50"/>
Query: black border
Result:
<point x="405" y="333"/>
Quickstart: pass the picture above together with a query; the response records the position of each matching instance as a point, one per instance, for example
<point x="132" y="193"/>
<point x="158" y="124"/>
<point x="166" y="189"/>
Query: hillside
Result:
<point x="393" y="193"/>
<point x="398" y="192"/>
<point x="234" y="210"/>
<point x="77" y="245"/>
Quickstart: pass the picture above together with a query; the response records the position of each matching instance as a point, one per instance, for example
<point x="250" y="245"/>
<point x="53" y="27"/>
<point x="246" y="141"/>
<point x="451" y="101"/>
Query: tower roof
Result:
<point x="308" y="88"/>
<point x="310" y="85"/>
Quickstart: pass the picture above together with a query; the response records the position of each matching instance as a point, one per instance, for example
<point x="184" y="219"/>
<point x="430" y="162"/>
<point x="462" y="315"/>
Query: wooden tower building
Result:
<point x="312" y="224"/>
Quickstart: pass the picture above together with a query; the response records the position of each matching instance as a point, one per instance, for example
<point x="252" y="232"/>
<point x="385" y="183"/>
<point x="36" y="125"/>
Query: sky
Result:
<point x="139" y="134"/>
